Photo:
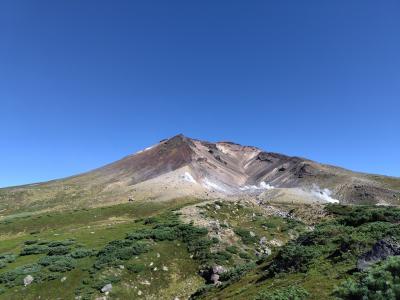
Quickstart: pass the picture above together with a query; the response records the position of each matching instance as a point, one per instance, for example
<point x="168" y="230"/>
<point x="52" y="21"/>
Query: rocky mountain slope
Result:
<point x="181" y="166"/>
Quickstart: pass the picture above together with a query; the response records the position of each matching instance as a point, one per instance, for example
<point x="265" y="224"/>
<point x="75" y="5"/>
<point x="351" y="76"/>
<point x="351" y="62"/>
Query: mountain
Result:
<point x="181" y="166"/>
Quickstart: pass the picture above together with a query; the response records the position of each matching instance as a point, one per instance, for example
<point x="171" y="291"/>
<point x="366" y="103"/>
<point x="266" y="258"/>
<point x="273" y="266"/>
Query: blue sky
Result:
<point x="83" y="83"/>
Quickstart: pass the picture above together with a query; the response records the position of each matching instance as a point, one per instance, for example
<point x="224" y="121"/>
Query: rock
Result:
<point x="28" y="280"/>
<point x="263" y="240"/>
<point x="165" y="268"/>
<point x="106" y="288"/>
<point x="215" y="278"/>
<point x="252" y="234"/>
<point x="218" y="269"/>
<point x="380" y="251"/>
<point x="139" y="293"/>
<point x="121" y="267"/>
<point x="158" y="255"/>
<point x="145" y="282"/>
<point x="217" y="207"/>
<point x="63" y="279"/>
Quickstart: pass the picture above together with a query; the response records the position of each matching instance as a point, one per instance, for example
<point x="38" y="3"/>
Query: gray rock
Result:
<point x="28" y="280"/>
<point x="106" y="288"/>
<point x="380" y="251"/>
<point x="215" y="278"/>
<point x="218" y="269"/>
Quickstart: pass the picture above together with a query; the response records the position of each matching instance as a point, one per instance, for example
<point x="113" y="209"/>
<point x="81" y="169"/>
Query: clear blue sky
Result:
<point x="83" y="83"/>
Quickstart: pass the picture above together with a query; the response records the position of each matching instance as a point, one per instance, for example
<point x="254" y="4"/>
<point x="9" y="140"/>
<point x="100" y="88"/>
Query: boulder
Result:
<point x="215" y="278"/>
<point x="28" y="280"/>
<point x="379" y="251"/>
<point x="106" y="288"/>
<point x="218" y="269"/>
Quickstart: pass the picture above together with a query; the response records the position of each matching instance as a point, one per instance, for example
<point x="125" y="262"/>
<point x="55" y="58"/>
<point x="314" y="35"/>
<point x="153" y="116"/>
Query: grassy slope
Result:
<point x="93" y="228"/>
<point x="176" y="273"/>
<point x="334" y="247"/>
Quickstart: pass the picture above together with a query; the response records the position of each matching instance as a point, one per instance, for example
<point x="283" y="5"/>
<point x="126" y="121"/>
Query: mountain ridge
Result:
<point x="181" y="166"/>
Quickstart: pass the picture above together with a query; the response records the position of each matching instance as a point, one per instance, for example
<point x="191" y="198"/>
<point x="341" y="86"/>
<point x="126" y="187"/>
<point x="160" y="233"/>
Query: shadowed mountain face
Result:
<point x="181" y="166"/>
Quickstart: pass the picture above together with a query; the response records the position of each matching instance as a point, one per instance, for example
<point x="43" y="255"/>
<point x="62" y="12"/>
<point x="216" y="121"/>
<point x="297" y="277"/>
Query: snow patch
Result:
<point x="148" y="148"/>
<point x="324" y="194"/>
<point x="262" y="186"/>
<point x="188" y="177"/>
<point x="212" y="185"/>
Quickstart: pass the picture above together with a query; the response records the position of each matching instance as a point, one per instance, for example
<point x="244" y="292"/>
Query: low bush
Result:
<point x="290" y="293"/>
<point x="61" y="243"/>
<point x="81" y="253"/>
<point x="136" y="268"/>
<point x="237" y="272"/>
<point x="245" y="235"/>
<point x="232" y="249"/>
<point x="59" y="250"/>
<point x="30" y="242"/>
<point x="381" y="281"/>
<point x="244" y="255"/>
<point x="63" y="264"/>
<point x="34" y="249"/>
<point x="293" y="258"/>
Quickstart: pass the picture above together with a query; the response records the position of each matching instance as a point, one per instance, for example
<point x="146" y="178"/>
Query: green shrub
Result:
<point x="81" y="253"/>
<point x="59" y="250"/>
<point x="139" y="234"/>
<point x="245" y="236"/>
<point x="381" y="281"/>
<point x="164" y="233"/>
<point x="30" y="242"/>
<point x="244" y="255"/>
<point x="63" y="264"/>
<point x="136" y="268"/>
<point x="61" y="243"/>
<point x="232" y="249"/>
<point x="237" y="272"/>
<point x="290" y="293"/>
<point x="15" y="277"/>
<point x="119" y="250"/>
<point x="292" y="258"/>
<point x="7" y="257"/>
<point x="48" y="260"/>
<point x="34" y="249"/>
<point x="220" y="257"/>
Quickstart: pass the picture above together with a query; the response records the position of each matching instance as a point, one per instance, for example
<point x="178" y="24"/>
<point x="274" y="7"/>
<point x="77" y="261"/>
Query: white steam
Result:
<point x="188" y="177"/>
<point x="212" y="185"/>
<point x="262" y="186"/>
<point x="323" y="194"/>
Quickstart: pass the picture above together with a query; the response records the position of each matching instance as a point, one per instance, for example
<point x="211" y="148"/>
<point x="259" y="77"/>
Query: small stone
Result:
<point x="151" y="264"/>
<point x="158" y="255"/>
<point x="106" y="288"/>
<point x="139" y="293"/>
<point x="252" y="234"/>
<point x="218" y="269"/>
<point x="165" y="268"/>
<point x="121" y="267"/>
<point x="215" y="278"/>
<point x="145" y="282"/>
<point x="63" y="279"/>
<point x="28" y="280"/>
<point x="155" y="269"/>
